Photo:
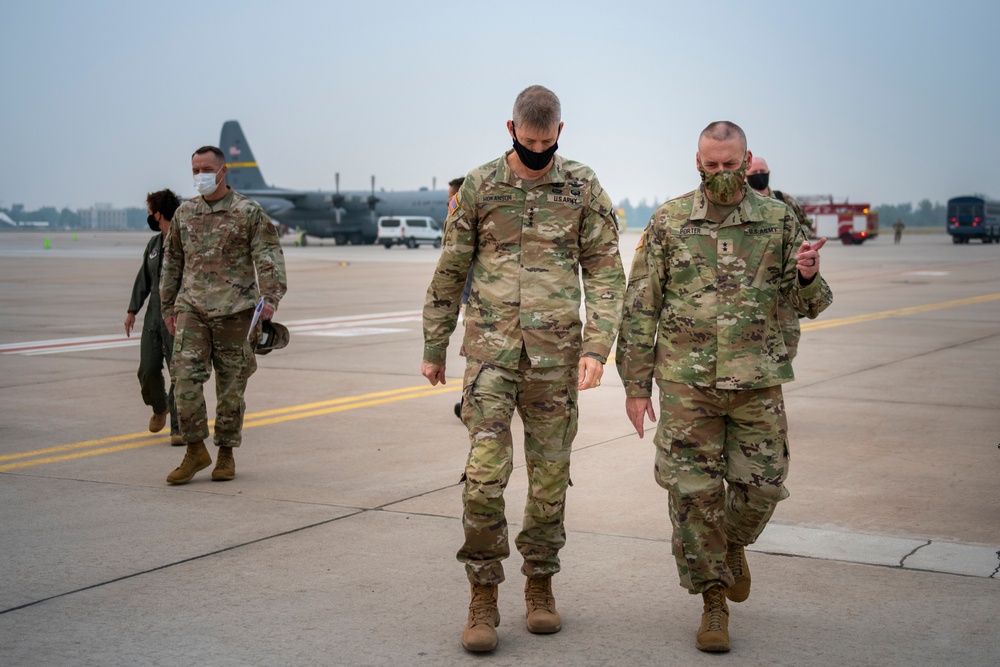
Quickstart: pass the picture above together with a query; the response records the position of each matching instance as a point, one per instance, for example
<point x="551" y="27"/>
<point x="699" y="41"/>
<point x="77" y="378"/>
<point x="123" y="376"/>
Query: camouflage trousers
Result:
<point x="546" y="399"/>
<point x="791" y="332"/>
<point x="723" y="457"/>
<point x="201" y="344"/>
<point x="155" y="346"/>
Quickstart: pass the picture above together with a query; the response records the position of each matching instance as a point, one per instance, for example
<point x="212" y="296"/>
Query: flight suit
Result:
<point x="216" y="256"/>
<point x="528" y="245"/>
<point x="155" y="342"/>
<point x="700" y="317"/>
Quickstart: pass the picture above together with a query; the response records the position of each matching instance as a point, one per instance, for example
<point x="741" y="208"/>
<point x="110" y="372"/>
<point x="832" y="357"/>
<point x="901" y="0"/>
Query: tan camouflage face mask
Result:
<point x="724" y="187"/>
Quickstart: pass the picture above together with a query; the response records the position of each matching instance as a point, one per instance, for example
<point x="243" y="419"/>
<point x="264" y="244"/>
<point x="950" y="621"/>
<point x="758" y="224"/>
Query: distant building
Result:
<point x="102" y="216"/>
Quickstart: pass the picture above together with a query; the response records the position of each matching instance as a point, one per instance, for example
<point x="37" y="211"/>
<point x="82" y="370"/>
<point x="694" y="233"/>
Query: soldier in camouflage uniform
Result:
<point x="700" y="317"/>
<point x="155" y="343"/>
<point x="530" y="224"/>
<point x="758" y="176"/>
<point x="221" y="254"/>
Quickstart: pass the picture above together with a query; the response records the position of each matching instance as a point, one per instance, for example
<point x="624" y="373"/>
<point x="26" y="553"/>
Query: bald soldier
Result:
<point x="758" y="178"/>
<point x="700" y="318"/>
<point x="531" y="224"/>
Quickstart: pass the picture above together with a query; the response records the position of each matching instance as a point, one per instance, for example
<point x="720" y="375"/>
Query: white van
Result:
<point x="408" y="230"/>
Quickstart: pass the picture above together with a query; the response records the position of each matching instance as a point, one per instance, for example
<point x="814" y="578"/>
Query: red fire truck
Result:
<point x="853" y="224"/>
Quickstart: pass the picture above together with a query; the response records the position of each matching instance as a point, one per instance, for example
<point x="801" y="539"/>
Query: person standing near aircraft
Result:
<point x="530" y="224"/>
<point x="758" y="178"/>
<point x="699" y="318"/>
<point x="221" y="255"/>
<point x="156" y="342"/>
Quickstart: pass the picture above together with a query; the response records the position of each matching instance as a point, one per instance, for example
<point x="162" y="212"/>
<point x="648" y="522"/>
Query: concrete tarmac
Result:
<point x="335" y="544"/>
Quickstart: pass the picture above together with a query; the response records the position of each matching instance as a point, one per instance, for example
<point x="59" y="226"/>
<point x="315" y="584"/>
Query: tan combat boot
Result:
<point x="480" y="633"/>
<point x="158" y="421"/>
<point x="736" y="559"/>
<point x="195" y="458"/>
<point x="543" y="619"/>
<point x="225" y="465"/>
<point x="713" y="635"/>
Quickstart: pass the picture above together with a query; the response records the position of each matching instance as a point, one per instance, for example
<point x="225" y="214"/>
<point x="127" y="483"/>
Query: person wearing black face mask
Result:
<point x="530" y="225"/>
<point x="156" y="343"/>
<point x="758" y="178"/>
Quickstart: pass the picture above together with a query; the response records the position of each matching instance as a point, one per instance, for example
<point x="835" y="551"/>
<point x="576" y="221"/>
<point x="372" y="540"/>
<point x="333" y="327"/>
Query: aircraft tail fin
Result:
<point x="243" y="174"/>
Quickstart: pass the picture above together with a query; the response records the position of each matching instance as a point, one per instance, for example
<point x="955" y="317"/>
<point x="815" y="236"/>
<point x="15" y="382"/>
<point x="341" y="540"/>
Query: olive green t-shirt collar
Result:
<point x="223" y="204"/>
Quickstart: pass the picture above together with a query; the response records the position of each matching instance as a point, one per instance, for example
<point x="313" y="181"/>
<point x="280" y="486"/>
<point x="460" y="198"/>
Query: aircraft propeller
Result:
<point x="372" y="200"/>
<point x="338" y="199"/>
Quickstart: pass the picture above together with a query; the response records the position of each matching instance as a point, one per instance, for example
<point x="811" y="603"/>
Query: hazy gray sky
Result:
<point x="878" y="101"/>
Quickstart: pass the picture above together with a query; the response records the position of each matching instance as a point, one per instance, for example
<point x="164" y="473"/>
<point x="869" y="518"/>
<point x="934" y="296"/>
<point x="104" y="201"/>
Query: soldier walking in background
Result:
<point x="530" y="224"/>
<point x="758" y="177"/>
<point x="897" y="228"/>
<point x="155" y="343"/>
<point x="699" y="318"/>
<point x="222" y="253"/>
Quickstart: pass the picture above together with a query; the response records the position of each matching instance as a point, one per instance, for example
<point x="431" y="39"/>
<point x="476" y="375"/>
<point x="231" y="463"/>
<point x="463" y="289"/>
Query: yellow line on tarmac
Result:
<point x="276" y="416"/>
<point x="899" y="312"/>
<point x="251" y="420"/>
<point x="79" y="445"/>
<point x="77" y="455"/>
<point x="340" y="408"/>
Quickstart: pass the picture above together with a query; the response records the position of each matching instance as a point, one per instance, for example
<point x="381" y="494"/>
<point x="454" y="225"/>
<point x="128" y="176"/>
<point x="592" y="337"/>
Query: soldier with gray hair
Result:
<point x="530" y="224"/>
<point x="700" y="318"/>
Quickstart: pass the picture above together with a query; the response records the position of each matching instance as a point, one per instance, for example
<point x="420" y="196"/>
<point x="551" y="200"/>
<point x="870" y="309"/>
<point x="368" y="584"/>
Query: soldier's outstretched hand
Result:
<point x="433" y="372"/>
<point x="637" y="410"/>
<point x="807" y="258"/>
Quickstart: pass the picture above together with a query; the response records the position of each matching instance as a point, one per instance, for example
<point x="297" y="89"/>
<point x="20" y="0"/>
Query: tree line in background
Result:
<point x="924" y="214"/>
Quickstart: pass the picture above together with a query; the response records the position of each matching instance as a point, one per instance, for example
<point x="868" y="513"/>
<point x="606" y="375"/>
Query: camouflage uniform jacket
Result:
<point x="701" y="305"/>
<point x="796" y="207"/>
<point x="527" y="247"/>
<point x="216" y="254"/>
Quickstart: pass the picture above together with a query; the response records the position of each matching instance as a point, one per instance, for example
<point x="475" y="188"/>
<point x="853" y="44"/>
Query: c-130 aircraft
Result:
<point x="346" y="217"/>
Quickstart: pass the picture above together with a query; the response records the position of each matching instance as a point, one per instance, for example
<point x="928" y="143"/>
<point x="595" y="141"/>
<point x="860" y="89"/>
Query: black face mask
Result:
<point x="153" y="224"/>
<point x="758" y="181"/>
<point x="532" y="160"/>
